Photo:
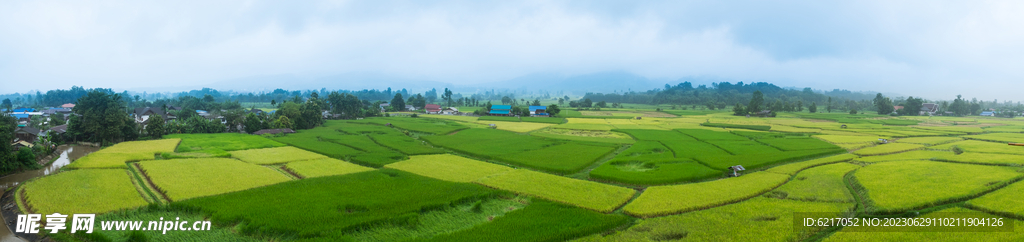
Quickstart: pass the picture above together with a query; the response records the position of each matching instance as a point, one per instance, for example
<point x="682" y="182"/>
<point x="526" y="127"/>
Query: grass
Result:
<point x="903" y="185"/>
<point x="793" y="168"/>
<point x="928" y="140"/>
<point x="327" y="207"/>
<point x="999" y="137"/>
<point x="757" y="219"/>
<point x="219" y="143"/>
<point x="324" y="167"/>
<point x="449" y="167"/>
<point x="702" y="134"/>
<point x="540" y="221"/>
<point x="982" y="158"/>
<point x="819" y="184"/>
<point x="982" y="147"/>
<point x="887" y="149"/>
<point x="797" y="143"/>
<point x="117" y="155"/>
<point x="546" y="120"/>
<point x="1005" y="201"/>
<point x="277" y="155"/>
<point x="738" y="126"/>
<point x="82" y="192"/>
<point x="183" y="179"/>
<point x="586" y="194"/>
<point x="667" y="200"/>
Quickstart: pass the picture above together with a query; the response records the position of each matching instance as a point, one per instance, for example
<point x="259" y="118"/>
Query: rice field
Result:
<point x="848" y="139"/>
<point x="324" y="167"/>
<point x="220" y="143"/>
<point x="999" y="137"/>
<point x="82" y="191"/>
<point x="117" y="155"/>
<point x="909" y="155"/>
<point x="903" y="185"/>
<point x="667" y="200"/>
<point x="270" y="156"/>
<point x="885" y="149"/>
<point x="928" y="140"/>
<point x="982" y="158"/>
<point x="449" y="167"/>
<point x="981" y="147"/>
<point x="585" y="194"/>
<point x="182" y="179"/>
<point x="818" y="184"/>
<point x="954" y="235"/>
<point x="793" y="168"/>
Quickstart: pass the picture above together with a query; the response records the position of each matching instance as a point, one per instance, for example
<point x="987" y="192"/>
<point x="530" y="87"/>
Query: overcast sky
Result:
<point x="918" y="48"/>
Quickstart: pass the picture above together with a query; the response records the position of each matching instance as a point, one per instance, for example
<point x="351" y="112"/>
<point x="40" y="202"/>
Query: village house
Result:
<point x="27" y="134"/>
<point x="432" y="108"/>
<point x="142" y="114"/>
<point x="929" y="108"/>
<point x="539" y="111"/>
<point x="500" y="110"/>
<point x="384" y="107"/>
<point x="68" y="105"/>
<point x="410" y="108"/>
<point x="450" y="111"/>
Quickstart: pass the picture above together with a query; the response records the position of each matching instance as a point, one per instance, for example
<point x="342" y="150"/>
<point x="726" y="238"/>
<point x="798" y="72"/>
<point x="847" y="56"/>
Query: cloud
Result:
<point x="922" y="48"/>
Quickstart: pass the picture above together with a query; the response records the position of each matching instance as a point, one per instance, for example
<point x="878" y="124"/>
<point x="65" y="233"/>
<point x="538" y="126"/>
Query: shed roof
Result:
<point x="499" y="112"/>
<point x="501" y="107"/>
<point x="535" y="108"/>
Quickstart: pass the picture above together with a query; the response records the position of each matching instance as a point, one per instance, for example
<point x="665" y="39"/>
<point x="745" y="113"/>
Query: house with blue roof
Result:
<point x="539" y="111"/>
<point x="500" y="110"/>
<point x="22" y="110"/>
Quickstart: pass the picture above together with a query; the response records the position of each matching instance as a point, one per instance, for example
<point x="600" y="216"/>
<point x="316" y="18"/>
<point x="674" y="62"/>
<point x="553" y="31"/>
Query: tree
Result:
<point x="755" y="102"/>
<point x="960" y="107"/>
<point x="553" y="110"/>
<point x="8" y="160"/>
<point x="883" y="104"/>
<point x="587" y="103"/>
<point x="397" y="103"/>
<point x="506" y="100"/>
<point x="912" y="106"/>
<point x="561" y="101"/>
<point x="448" y="96"/>
<point x="431" y="95"/>
<point x="829" y="106"/>
<point x="799" y="106"/>
<point x="103" y="117"/>
<point x="738" y="109"/>
<point x="282" y="122"/>
<point x="57" y="119"/>
<point x="155" y="126"/>
<point x="853" y="111"/>
<point x="813" y="108"/>
<point x="273" y="102"/>
<point x="253" y="123"/>
<point x="602" y="104"/>
<point x="7" y="104"/>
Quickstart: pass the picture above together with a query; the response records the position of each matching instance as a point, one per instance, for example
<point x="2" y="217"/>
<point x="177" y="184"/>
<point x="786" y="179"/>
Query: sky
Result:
<point x="934" y="49"/>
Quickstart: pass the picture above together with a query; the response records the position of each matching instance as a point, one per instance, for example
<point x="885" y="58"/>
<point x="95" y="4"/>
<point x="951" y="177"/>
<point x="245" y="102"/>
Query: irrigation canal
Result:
<point x="67" y="155"/>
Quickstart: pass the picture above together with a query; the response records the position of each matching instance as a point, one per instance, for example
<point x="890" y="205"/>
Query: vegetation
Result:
<point x="449" y="167"/>
<point x="547" y="120"/>
<point x="425" y="125"/>
<point x="903" y="185"/>
<point x="755" y="161"/>
<point x="277" y="155"/>
<point x="929" y="140"/>
<point x="757" y="219"/>
<point x="887" y="149"/>
<point x="1003" y="201"/>
<point x="982" y="158"/>
<point x="999" y="137"/>
<point x="524" y="150"/>
<point x="366" y="198"/>
<point x="667" y="200"/>
<point x="909" y="155"/>
<point x="738" y="126"/>
<point x="220" y="143"/>
<point x="155" y="213"/>
<point x="820" y="184"/>
<point x="793" y="168"/>
<point x="182" y="179"/>
<point x="540" y="221"/>
<point x="117" y="155"/>
<point x="323" y="167"/>
<point x="798" y="143"/>
<point x="848" y="139"/>
<point x="586" y="194"/>
<point x="706" y="135"/>
<point x="981" y="147"/>
<point x="82" y="192"/>
<point x="954" y="234"/>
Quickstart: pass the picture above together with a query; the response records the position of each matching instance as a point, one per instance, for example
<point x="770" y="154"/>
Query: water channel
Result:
<point x="67" y="155"/>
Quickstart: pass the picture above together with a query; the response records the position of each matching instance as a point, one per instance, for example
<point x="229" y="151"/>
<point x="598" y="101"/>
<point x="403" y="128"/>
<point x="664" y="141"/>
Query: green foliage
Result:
<point x="666" y="200"/>
<point x="540" y="221"/>
<point x="692" y="149"/>
<point x="652" y="172"/>
<point x="458" y="217"/>
<point x="904" y="185"/>
<point x="155" y="213"/>
<point x="847" y="139"/>
<point x="928" y="140"/>
<point x="999" y="137"/>
<point x="909" y="155"/>
<point x="656" y="135"/>
<point x="738" y="126"/>
<point x="220" y="143"/>
<point x="102" y="119"/>
<point x="82" y="191"/>
<point x="341" y="203"/>
<point x="755" y="161"/>
<point x="821" y="184"/>
<point x="329" y="149"/>
<point x="798" y="143"/>
<point x="744" y="147"/>
<point x="155" y="126"/>
<point x="793" y="168"/>
<point x="982" y="158"/>
<point x="254" y="123"/>
<point x="182" y="179"/>
<point x="426" y="125"/>
<point x="883" y="105"/>
<point x="586" y="194"/>
<point x="703" y="134"/>
<point x="1003" y="201"/>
